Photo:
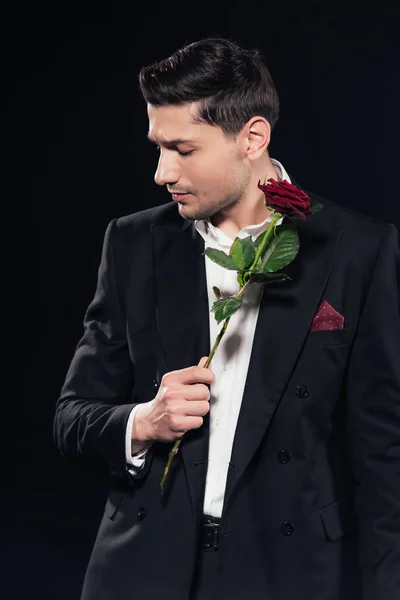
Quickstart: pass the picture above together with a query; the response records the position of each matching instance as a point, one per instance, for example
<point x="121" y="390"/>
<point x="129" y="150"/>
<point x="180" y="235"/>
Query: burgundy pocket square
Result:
<point x="327" y="317"/>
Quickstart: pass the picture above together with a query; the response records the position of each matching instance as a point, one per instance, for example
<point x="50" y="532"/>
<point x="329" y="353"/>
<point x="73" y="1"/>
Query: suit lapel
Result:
<point x="183" y="323"/>
<point x="285" y="316"/>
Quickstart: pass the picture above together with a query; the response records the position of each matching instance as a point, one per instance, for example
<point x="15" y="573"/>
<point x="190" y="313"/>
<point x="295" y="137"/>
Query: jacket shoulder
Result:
<point x="165" y="214"/>
<point x="352" y="222"/>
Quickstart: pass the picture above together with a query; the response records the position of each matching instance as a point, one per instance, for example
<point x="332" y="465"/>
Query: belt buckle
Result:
<point x="210" y="535"/>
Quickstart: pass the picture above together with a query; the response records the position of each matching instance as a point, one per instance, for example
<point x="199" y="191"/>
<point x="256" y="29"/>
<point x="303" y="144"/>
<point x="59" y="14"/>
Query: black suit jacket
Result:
<point x="324" y="525"/>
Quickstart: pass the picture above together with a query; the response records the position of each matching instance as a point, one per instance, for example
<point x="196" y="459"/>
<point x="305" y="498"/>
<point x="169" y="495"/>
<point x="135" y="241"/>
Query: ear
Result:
<point x="256" y="137"/>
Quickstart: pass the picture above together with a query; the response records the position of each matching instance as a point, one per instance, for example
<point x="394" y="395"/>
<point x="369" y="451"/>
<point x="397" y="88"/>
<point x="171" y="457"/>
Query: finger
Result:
<point x="190" y="375"/>
<point x="196" y="392"/>
<point x="202" y="361"/>
<point x="197" y="408"/>
<point x="196" y="374"/>
<point x="180" y="395"/>
<point x="184" y="424"/>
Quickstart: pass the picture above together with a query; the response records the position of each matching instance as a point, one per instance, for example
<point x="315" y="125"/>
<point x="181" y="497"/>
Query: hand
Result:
<point x="180" y="404"/>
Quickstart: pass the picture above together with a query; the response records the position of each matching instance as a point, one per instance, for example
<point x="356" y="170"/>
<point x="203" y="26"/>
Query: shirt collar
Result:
<point x="210" y="233"/>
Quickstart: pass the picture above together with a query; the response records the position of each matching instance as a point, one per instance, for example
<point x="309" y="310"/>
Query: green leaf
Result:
<point x="217" y="292"/>
<point x="281" y="249"/>
<point x="221" y="258"/>
<point x="225" y="307"/>
<point x="242" y="252"/>
<point x="316" y="207"/>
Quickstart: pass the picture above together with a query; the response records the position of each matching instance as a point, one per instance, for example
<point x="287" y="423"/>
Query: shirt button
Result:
<point x="217" y="422"/>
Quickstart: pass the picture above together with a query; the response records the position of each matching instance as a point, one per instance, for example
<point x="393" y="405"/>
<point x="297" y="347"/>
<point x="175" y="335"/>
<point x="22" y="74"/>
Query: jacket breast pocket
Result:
<point x="330" y="337"/>
<point x="338" y="518"/>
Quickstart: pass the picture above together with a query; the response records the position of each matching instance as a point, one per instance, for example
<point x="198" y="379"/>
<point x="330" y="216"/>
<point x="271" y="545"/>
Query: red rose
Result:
<point x="286" y="198"/>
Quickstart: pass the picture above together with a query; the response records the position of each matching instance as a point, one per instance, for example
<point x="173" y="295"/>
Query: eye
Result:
<point x="185" y="153"/>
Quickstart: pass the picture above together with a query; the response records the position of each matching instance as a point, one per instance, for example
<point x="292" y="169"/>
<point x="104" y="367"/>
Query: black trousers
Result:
<point x="204" y="585"/>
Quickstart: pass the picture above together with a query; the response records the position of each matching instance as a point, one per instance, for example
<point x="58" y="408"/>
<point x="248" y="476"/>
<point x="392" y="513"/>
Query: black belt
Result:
<point x="209" y="532"/>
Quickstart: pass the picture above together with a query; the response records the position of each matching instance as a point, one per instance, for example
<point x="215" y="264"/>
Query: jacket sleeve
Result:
<point x="92" y="411"/>
<point x="373" y="425"/>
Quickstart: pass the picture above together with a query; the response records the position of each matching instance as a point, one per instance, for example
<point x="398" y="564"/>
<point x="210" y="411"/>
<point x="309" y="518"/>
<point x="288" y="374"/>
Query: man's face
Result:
<point x="198" y="161"/>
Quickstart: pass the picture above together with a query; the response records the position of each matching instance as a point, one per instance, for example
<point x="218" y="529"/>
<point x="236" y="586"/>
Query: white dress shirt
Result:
<point x="229" y="364"/>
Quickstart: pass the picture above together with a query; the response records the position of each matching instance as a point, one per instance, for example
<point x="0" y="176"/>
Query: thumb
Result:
<point x="202" y="361"/>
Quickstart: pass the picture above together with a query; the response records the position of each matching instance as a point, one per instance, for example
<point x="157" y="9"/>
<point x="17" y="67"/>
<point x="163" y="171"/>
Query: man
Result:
<point x="287" y="481"/>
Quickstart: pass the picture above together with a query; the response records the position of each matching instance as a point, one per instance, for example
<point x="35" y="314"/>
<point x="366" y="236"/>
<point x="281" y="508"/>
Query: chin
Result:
<point x="188" y="214"/>
<point x="194" y="213"/>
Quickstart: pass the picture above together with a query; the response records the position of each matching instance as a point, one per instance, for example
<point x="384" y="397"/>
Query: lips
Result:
<point x="179" y="196"/>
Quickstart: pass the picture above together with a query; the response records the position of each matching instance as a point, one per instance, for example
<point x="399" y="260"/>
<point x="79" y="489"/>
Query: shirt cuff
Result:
<point x="133" y="460"/>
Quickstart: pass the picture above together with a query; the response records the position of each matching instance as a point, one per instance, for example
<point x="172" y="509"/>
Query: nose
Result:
<point x="167" y="172"/>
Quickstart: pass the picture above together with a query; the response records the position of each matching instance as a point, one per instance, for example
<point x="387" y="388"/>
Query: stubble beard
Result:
<point x="207" y="209"/>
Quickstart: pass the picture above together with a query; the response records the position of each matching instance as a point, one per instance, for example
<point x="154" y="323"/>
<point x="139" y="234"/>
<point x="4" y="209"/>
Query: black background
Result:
<point x="75" y="156"/>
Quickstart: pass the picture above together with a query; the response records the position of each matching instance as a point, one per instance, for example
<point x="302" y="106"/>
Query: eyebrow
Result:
<point x="174" y="142"/>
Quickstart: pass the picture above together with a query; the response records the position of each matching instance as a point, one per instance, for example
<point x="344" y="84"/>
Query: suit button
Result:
<point x="283" y="457"/>
<point x="155" y="383"/>
<point x="141" y="513"/>
<point x="287" y="528"/>
<point x="302" y="391"/>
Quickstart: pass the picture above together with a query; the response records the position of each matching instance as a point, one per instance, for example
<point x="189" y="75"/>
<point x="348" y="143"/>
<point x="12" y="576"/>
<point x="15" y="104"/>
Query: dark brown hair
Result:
<point x="232" y="84"/>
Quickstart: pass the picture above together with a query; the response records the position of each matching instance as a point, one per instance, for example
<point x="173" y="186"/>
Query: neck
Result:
<point x="250" y="211"/>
